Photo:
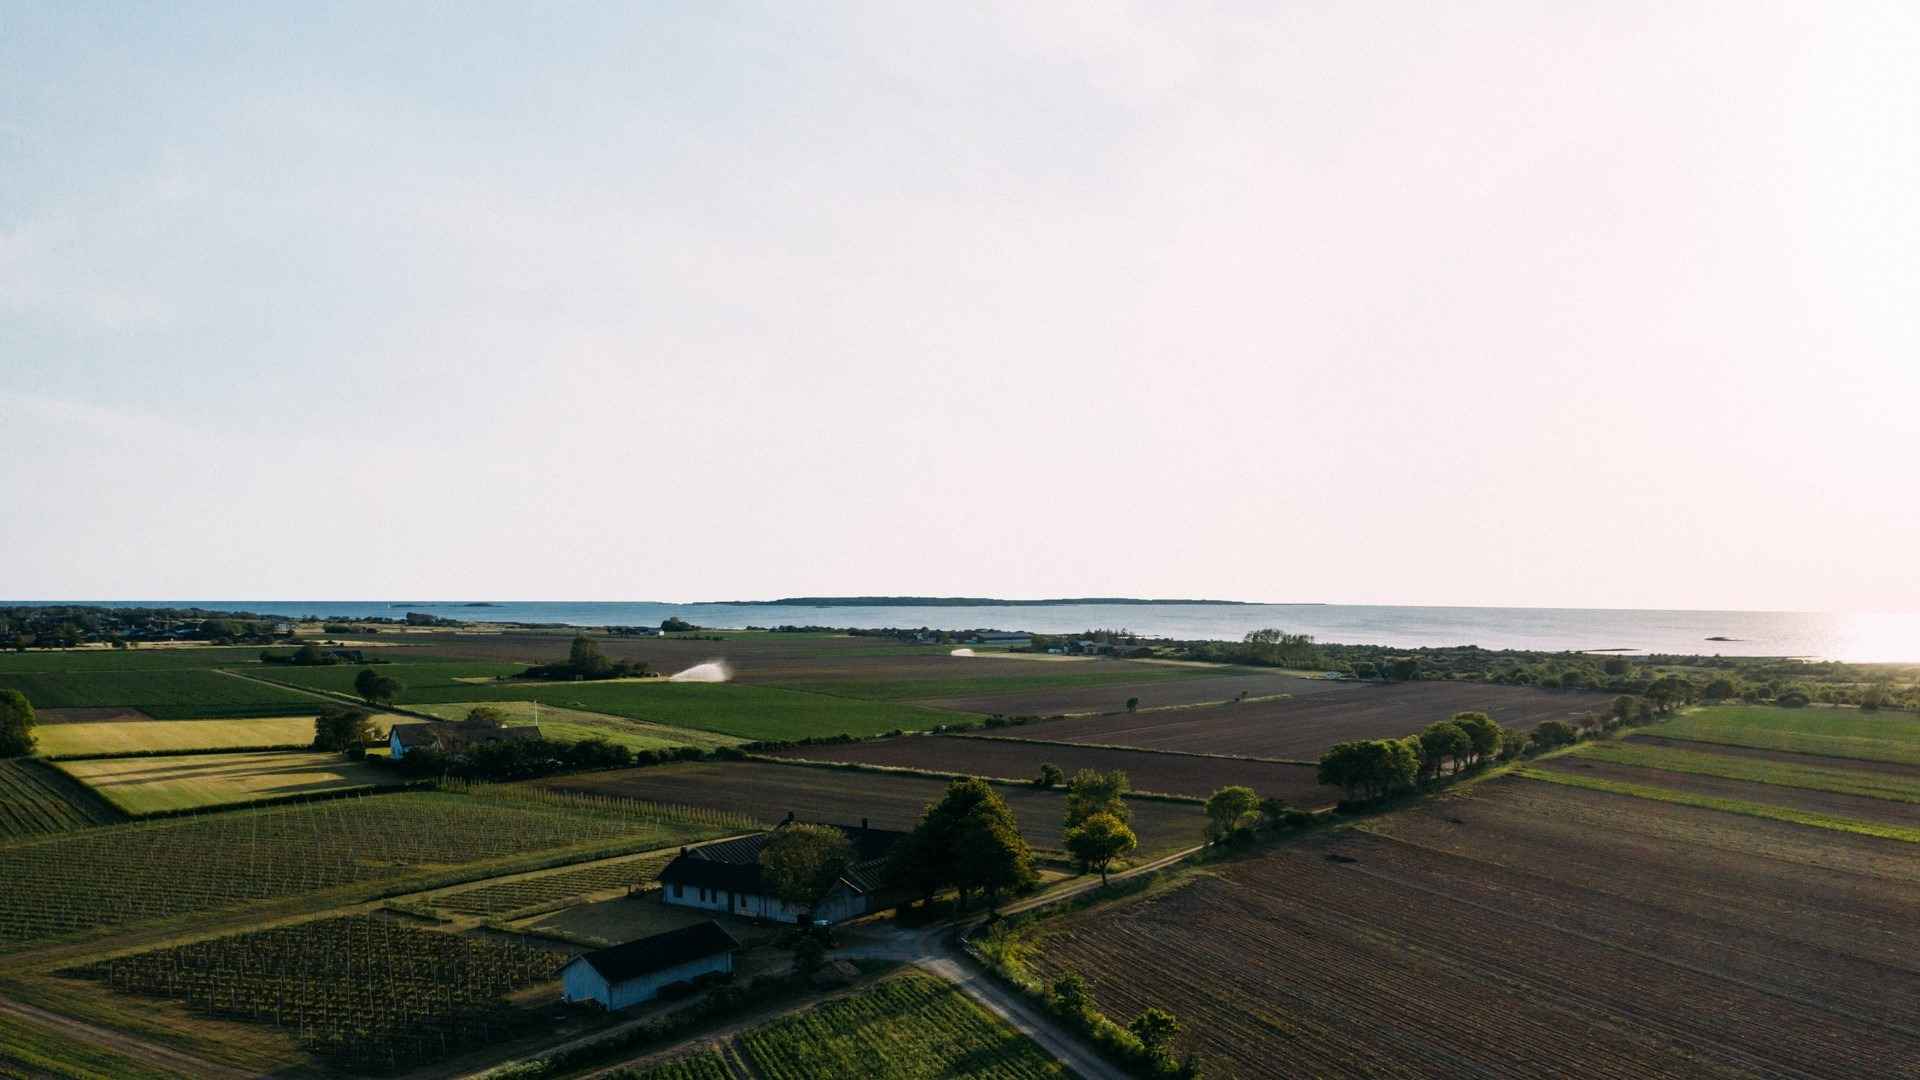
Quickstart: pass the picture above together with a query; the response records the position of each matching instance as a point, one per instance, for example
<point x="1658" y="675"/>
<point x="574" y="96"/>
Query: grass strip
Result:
<point x="1842" y="781"/>
<point x="1730" y="806"/>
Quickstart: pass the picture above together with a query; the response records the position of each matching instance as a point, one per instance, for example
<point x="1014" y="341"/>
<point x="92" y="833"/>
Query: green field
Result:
<point x="149" y="659"/>
<point x="1046" y="676"/>
<point x="706" y="1065"/>
<point x="29" y="1050"/>
<point x="1731" y="806"/>
<point x="1833" y="732"/>
<point x="164" y="694"/>
<point x="348" y="849"/>
<point x="130" y="736"/>
<point x="572" y="725"/>
<point x="1839" y="778"/>
<point x="422" y="681"/>
<point x="35" y="799"/>
<point x="145" y="785"/>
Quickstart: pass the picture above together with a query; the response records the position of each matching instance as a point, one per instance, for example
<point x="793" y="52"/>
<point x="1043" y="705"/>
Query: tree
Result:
<point x="1551" y="733"/>
<point x="1050" y="776"/>
<point x="1718" y="690"/>
<point x="1482" y="732"/>
<point x="1095" y="792"/>
<point x="1370" y="769"/>
<point x="1403" y="668"/>
<point x="375" y="688"/>
<point x="342" y="730"/>
<point x="1230" y="809"/>
<point x="969" y="840"/>
<point x="1071" y="997"/>
<point x="1274" y="812"/>
<point x="1156" y="1029"/>
<point x="674" y="624"/>
<point x="1133" y="704"/>
<point x="1623" y="708"/>
<point x="1615" y="665"/>
<point x="1442" y="741"/>
<point x="584" y="658"/>
<point x="802" y="862"/>
<point x="1099" y="840"/>
<point x="16" y="724"/>
<point x="1668" y="693"/>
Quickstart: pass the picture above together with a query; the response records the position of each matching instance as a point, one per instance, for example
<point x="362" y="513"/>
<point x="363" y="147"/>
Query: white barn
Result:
<point x="726" y="877"/>
<point x="635" y="972"/>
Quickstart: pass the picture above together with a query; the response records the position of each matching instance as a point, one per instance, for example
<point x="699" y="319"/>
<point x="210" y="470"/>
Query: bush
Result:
<point x="1792" y="699"/>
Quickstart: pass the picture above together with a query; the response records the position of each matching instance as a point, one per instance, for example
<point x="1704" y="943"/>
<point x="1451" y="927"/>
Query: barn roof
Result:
<point x="622" y="963"/>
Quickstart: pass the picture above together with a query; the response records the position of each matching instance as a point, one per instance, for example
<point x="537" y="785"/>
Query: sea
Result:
<point x="1856" y="637"/>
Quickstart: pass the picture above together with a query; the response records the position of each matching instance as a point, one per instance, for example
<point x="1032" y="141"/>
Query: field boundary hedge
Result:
<point x="1003" y="781"/>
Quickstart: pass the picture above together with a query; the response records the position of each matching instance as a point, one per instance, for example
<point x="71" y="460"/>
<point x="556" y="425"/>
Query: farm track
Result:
<point x="160" y="1057"/>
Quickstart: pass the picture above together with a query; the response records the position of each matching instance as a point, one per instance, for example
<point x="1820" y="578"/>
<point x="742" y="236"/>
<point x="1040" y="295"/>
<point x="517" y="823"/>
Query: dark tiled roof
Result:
<point x="661" y="951"/>
<point x="734" y="865"/>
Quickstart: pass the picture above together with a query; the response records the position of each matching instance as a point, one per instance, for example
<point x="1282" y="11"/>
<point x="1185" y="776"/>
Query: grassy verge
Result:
<point x="1839" y="780"/>
<point x="1730" y="806"/>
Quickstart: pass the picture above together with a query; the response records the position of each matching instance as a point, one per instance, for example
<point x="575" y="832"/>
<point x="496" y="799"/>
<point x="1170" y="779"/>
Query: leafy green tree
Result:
<point x="1718" y="690"/>
<point x="1070" y="996"/>
<point x="1099" y="840"/>
<point x="1095" y="792"/>
<point x="1050" y="776"/>
<point x="585" y="659"/>
<point x="375" y="688"/>
<point x="16" y="724"/>
<point x="1274" y="812"/>
<point x="1549" y="734"/>
<point x="1403" y="668"/>
<point x="802" y="862"/>
<point x="1623" y="708"/>
<point x="1156" y="1029"/>
<point x="1230" y="809"/>
<point x="969" y="840"/>
<point x="1370" y="769"/>
<point x="1440" y="742"/>
<point x="342" y="730"/>
<point x="1482" y="732"/>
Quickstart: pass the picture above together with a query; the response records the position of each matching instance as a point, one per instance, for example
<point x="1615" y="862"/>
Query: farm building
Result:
<point x="636" y="972"/>
<point x="726" y="877"/>
<point x="451" y="737"/>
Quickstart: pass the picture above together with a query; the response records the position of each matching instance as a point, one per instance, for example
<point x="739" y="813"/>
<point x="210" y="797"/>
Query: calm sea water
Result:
<point x="1855" y="637"/>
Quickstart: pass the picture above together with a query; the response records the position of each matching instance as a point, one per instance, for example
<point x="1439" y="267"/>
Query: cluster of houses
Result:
<point x="725" y="878"/>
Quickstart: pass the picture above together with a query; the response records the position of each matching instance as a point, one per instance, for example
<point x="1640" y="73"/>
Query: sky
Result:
<point x="1606" y="305"/>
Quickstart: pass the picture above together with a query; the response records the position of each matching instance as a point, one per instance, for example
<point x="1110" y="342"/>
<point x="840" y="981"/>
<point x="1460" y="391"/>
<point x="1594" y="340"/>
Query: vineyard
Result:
<point x="901" y="1029"/>
<point x="365" y="992"/>
<point x="512" y="896"/>
<point x="1531" y="930"/>
<point x="131" y="873"/>
<point x="703" y="1066"/>
<point x="35" y="800"/>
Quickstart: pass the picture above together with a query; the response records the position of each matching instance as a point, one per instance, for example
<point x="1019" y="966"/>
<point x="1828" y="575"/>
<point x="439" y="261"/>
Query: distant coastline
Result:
<point x="963" y="601"/>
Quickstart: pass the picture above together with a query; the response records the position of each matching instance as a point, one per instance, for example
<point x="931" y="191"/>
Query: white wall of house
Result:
<point x="580" y="982"/>
<point x="839" y="904"/>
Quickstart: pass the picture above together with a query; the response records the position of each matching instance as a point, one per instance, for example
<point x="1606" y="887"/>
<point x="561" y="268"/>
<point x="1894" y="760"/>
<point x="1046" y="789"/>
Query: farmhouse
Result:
<point x="452" y="737"/>
<point x="726" y="877"/>
<point x="637" y="971"/>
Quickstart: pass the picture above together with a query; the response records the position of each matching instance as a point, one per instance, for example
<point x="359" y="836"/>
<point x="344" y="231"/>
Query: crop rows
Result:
<point x="706" y="1065"/>
<point x="163" y="695"/>
<point x="364" y="991"/>
<point x="131" y="873"/>
<point x="509" y="896"/>
<point x="899" y="1029"/>
<point x="1486" y="933"/>
<point x="35" y="800"/>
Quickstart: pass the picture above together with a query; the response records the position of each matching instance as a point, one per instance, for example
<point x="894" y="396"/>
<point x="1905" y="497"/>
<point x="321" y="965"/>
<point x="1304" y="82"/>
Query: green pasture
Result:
<point x="144" y="785"/>
<point x="423" y="682"/>
<point x="129" y="736"/>
<point x="1833" y="732"/>
<point x="571" y="725"/>
<point x="176" y="694"/>
<point x="128" y="659"/>
<point x="1731" y="806"/>
<point x="1044" y="677"/>
<point x="1838" y="778"/>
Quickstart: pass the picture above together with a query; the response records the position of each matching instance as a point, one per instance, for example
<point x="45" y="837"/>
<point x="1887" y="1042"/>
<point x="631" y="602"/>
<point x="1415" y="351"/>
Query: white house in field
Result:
<point x="635" y="972"/>
<point x="726" y="877"/>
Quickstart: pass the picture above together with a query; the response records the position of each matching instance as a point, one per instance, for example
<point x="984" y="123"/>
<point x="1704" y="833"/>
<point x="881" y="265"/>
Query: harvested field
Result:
<point x="1168" y="774"/>
<point x="1177" y="686"/>
<point x="37" y="799"/>
<point x="1829" y="731"/>
<point x="140" y="736"/>
<point x="767" y="791"/>
<point x="1832" y="804"/>
<point x="1531" y="930"/>
<point x="145" y="785"/>
<point x="161" y="694"/>
<point x="1301" y="728"/>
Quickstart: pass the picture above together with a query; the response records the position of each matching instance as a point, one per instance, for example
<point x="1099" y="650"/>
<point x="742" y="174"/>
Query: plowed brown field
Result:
<point x="844" y="796"/>
<point x="1302" y="727"/>
<point x="1523" y="929"/>
<point x="1169" y="774"/>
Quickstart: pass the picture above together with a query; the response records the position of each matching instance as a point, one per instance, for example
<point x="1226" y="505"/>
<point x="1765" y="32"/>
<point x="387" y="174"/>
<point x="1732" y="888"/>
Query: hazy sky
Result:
<point x="1606" y="304"/>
